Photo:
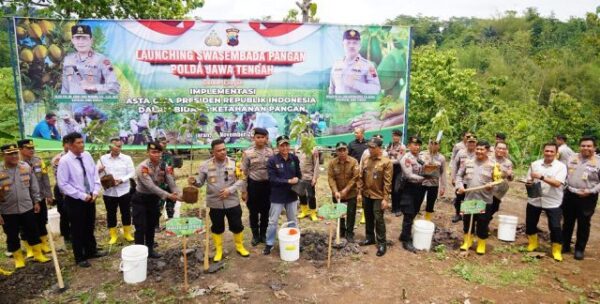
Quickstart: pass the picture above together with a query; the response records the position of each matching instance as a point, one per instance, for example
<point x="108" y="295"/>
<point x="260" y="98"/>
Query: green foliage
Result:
<point x="99" y="133"/>
<point x="300" y="130"/>
<point x="9" y="119"/>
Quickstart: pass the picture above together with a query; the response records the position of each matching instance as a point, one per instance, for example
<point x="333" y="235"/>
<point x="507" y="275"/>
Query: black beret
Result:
<point x="261" y="131"/>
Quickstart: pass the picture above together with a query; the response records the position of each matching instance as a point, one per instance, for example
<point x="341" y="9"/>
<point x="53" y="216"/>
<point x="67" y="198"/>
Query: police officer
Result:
<point x="564" y="152"/>
<point x="412" y="196"/>
<point x="309" y="165"/>
<point x="459" y="160"/>
<point x="86" y="71"/>
<point x="254" y="166"/>
<point x="27" y="154"/>
<point x="375" y="187"/>
<point x="353" y="74"/>
<point x="435" y="182"/>
<point x="19" y="200"/>
<point x="222" y="185"/>
<point x="461" y="145"/>
<point x="166" y="162"/>
<point x="59" y="198"/>
<point x="550" y="174"/>
<point x="395" y="152"/>
<point x="342" y="174"/>
<point x="150" y="175"/>
<point x="581" y="195"/>
<point x="475" y="172"/>
<point x="505" y="167"/>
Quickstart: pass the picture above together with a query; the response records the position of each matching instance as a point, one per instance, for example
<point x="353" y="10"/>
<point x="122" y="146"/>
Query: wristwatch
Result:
<point x="542" y="177"/>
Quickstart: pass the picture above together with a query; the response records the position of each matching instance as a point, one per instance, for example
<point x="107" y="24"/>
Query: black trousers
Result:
<point x="375" y="224"/>
<point x="41" y="219"/>
<point x="458" y="200"/>
<point x="145" y="218"/>
<point x="580" y="210"/>
<point x="481" y="223"/>
<point x="495" y="206"/>
<point x="122" y="203"/>
<point x="13" y="223"/>
<point x="234" y="219"/>
<point x="431" y="193"/>
<point x="396" y="195"/>
<point x="83" y="222"/>
<point x="169" y="206"/>
<point x="412" y="198"/>
<point x="532" y="217"/>
<point x="259" y="204"/>
<point x="309" y="198"/>
<point x="65" y="223"/>
<point x="347" y="224"/>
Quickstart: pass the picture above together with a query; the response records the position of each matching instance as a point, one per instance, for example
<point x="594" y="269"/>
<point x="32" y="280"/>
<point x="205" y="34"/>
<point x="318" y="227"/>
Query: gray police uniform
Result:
<point x="363" y="74"/>
<point x="94" y="69"/>
<point x="254" y="166"/>
<point x="218" y="176"/>
<point x="19" y="191"/>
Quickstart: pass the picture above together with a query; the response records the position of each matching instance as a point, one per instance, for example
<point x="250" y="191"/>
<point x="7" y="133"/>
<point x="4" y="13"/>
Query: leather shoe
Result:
<point x="408" y="246"/>
<point x="578" y="255"/>
<point x="154" y="255"/>
<point x="267" y="249"/>
<point x="84" y="264"/>
<point x="97" y="254"/>
<point x="456" y="218"/>
<point x="255" y="241"/>
<point x="367" y="242"/>
<point x="380" y="250"/>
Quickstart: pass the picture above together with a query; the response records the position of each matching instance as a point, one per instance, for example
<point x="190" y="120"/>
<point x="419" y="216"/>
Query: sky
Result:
<point x="378" y="11"/>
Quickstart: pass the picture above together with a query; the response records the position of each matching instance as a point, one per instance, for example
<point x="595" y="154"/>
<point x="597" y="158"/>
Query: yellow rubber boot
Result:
<point x="4" y="272"/>
<point x="313" y="215"/>
<point x="362" y="217"/>
<point x="480" y="246"/>
<point x="303" y="211"/>
<point x="28" y="249"/>
<point x="19" y="259"/>
<point x="557" y="251"/>
<point x="45" y="244"/>
<point x="218" y="241"/>
<point x="127" y="234"/>
<point x="238" y="238"/>
<point x="38" y="255"/>
<point x="428" y="216"/>
<point x="467" y="242"/>
<point x="113" y="235"/>
<point x="533" y="242"/>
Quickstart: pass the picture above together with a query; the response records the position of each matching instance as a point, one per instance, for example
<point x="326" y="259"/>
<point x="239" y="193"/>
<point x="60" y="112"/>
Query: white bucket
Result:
<point x="177" y="208"/>
<point x="507" y="229"/>
<point x="422" y="234"/>
<point x="54" y="220"/>
<point x="289" y="244"/>
<point x="134" y="259"/>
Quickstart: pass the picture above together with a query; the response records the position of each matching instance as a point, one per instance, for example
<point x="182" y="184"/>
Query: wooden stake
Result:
<point x="330" y="241"/>
<point x="185" y="271"/>
<point x="206" y="239"/>
<point x="61" y="283"/>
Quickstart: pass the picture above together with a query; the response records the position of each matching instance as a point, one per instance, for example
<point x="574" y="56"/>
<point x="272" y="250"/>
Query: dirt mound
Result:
<point x="27" y="283"/>
<point x="445" y="236"/>
<point x="314" y="245"/>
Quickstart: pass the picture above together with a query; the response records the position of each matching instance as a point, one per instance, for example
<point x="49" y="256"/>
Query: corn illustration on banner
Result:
<point x="142" y="77"/>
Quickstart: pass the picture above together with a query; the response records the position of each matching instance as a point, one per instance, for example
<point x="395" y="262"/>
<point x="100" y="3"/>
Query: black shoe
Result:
<point x="255" y="238"/>
<point x="457" y="218"/>
<point x="84" y="264"/>
<point x="263" y="238"/>
<point x="366" y="242"/>
<point x="154" y="255"/>
<point x="267" y="249"/>
<point x="97" y="254"/>
<point x="566" y="249"/>
<point x="408" y="246"/>
<point x="350" y="238"/>
<point x="578" y="255"/>
<point x="380" y="250"/>
<point x="155" y="245"/>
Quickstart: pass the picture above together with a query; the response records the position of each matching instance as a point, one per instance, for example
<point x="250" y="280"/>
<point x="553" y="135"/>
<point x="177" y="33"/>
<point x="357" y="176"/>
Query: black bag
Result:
<point x="534" y="190"/>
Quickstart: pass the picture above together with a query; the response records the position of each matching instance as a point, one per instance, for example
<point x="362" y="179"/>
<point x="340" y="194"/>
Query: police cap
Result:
<point x="25" y="143"/>
<point x="154" y="146"/>
<point x="351" y="35"/>
<point x="81" y="29"/>
<point x="9" y="149"/>
<point x="261" y="131"/>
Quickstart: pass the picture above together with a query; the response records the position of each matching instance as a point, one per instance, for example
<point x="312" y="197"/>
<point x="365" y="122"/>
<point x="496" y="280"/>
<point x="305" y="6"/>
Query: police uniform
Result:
<point x="342" y="176"/>
<point x="362" y="72"/>
<point x="375" y="185"/>
<point x="218" y="176"/>
<point x="254" y="166"/>
<point x="413" y="193"/>
<point x="41" y="173"/>
<point x="505" y="165"/>
<point x="475" y="173"/>
<point x="582" y="175"/>
<point x="148" y="192"/>
<point x="309" y="166"/>
<point x="459" y="160"/>
<point x="92" y="69"/>
<point x="59" y="200"/>
<point x="168" y="204"/>
<point x="395" y="152"/>
<point x="19" y="192"/>
<point x="433" y="182"/>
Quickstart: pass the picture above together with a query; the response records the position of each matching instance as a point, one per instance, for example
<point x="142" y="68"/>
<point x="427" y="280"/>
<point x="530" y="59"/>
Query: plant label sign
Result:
<point x="185" y="226"/>
<point x="472" y="207"/>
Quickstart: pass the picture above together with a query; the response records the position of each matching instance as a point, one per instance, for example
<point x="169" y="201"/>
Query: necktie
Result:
<point x="86" y="183"/>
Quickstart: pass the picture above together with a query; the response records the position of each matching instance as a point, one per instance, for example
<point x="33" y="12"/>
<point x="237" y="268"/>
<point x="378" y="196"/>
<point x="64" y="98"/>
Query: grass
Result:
<point x="497" y="274"/>
<point x="440" y="252"/>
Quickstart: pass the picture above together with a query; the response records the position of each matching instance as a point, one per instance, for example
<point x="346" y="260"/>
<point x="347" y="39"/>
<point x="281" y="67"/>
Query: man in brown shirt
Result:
<point x="342" y="174"/>
<point x="375" y="186"/>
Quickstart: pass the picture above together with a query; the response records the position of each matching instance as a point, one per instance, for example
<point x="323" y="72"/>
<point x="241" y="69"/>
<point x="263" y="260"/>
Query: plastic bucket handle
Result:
<point x="134" y="265"/>
<point x="287" y="224"/>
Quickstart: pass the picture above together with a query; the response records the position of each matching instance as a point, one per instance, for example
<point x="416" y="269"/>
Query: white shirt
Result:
<point x="121" y="167"/>
<point x="551" y="196"/>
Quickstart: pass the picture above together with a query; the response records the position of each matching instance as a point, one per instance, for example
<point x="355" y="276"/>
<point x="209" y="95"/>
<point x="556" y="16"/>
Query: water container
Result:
<point x="54" y="221"/>
<point x="507" y="229"/>
<point x="134" y="259"/>
<point x="423" y="234"/>
<point x="289" y="242"/>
